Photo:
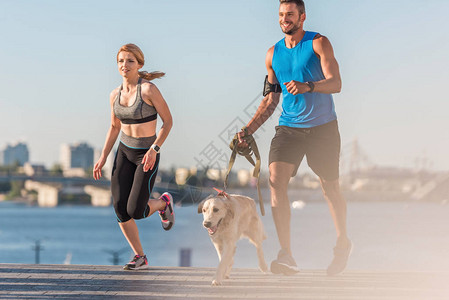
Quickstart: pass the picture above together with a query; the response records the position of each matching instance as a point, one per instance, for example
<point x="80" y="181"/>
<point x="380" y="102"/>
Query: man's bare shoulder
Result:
<point x="321" y="45"/>
<point x="320" y="39"/>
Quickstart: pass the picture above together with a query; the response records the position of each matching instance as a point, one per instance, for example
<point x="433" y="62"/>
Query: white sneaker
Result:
<point x="341" y="256"/>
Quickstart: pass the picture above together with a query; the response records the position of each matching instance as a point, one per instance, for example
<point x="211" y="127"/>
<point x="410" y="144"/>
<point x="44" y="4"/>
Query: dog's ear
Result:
<point x="200" y="206"/>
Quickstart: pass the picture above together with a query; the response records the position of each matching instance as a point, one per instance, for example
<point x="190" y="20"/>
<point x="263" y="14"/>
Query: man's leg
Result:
<point x="280" y="173"/>
<point x="337" y="207"/>
<point x="323" y="156"/>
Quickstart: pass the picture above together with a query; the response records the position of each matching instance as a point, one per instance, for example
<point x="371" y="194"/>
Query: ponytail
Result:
<point x="150" y="76"/>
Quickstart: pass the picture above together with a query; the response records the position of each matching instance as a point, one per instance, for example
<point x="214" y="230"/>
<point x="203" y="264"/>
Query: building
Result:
<point x="76" y="156"/>
<point x="14" y="154"/>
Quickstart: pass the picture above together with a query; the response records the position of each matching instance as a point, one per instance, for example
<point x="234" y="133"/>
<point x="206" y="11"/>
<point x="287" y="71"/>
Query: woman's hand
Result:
<point x="97" y="168"/>
<point x="149" y="159"/>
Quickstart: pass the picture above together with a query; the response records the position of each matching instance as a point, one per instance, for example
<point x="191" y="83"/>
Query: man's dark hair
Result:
<point x="299" y="4"/>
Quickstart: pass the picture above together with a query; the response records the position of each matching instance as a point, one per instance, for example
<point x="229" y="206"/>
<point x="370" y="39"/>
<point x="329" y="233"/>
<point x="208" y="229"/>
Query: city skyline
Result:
<point x="14" y="153"/>
<point x="59" y="67"/>
<point x="353" y="158"/>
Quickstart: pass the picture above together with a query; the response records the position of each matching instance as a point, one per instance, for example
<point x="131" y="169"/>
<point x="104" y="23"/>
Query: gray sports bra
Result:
<point x="139" y="112"/>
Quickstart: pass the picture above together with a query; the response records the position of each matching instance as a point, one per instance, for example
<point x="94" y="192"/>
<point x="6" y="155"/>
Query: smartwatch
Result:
<point x="311" y="86"/>
<point x="156" y="148"/>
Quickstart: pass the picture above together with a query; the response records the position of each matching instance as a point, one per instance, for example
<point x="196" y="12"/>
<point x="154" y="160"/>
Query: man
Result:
<point x="302" y="66"/>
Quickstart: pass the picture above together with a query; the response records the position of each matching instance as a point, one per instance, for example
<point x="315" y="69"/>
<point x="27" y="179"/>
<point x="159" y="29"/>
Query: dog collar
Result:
<point x="221" y="193"/>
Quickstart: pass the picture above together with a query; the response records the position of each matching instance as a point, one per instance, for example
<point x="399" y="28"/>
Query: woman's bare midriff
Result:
<point x="140" y="130"/>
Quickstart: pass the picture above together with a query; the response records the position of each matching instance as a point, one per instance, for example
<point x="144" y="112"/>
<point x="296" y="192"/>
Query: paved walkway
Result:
<point x="18" y="281"/>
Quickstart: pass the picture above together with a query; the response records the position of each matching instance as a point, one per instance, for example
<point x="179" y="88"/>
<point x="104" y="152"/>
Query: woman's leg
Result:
<point x="131" y="233"/>
<point x="139" y="204"/>
<point x="121" y="186"/>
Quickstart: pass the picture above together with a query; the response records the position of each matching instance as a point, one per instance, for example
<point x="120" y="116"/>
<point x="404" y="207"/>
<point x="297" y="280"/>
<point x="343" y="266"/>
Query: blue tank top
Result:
<point x="301" y="64"/>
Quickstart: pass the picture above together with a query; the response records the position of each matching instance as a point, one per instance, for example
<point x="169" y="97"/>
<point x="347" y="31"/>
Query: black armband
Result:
<point x="268" y="87"/>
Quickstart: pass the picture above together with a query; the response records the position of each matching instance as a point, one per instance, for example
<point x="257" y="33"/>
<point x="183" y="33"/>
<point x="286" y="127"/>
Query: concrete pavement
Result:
<point x="23" y="281"/>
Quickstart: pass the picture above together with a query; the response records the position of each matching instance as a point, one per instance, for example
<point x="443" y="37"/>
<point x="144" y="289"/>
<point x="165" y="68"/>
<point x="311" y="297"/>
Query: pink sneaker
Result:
<point x="168" y="214"/>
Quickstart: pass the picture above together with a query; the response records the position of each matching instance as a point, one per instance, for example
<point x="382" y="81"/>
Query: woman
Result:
<point x="134" y="108"/>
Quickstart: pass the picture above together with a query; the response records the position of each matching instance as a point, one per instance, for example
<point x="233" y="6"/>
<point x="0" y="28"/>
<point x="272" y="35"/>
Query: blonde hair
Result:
<point x="135" y="50"/>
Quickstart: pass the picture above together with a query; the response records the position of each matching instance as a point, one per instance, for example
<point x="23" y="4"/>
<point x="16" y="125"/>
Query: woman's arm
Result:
<point x="152" y="94"/>
<point x="111" y="137"/>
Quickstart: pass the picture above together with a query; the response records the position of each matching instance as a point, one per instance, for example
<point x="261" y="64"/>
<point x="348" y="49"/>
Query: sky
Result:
<point x="58" y="66"/>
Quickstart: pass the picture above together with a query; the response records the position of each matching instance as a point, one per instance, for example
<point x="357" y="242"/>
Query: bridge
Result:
<point x="5" y="177"/>
<point x="51" y="189"/>
<point x="436" y="190"/>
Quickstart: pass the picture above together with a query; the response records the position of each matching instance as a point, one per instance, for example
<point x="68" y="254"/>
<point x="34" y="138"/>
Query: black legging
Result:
<point x="130" y="185"/>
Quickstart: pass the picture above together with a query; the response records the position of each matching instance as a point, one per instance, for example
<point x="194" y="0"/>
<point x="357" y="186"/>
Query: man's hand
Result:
<point x="241" y="134"/>
<point x="296" y="87"/>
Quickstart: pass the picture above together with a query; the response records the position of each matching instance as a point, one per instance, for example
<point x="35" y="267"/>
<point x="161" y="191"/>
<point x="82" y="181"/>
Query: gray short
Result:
<point x="320" y="145"/>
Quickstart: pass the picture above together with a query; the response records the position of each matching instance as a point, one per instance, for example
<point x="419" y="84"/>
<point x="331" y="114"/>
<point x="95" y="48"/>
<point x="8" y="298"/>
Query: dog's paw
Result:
<point x="215" y="282"/>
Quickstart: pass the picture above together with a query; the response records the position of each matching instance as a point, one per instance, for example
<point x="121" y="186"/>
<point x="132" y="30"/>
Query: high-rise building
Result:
<point x="79" y="155"/>
<point x="16" y="153"/>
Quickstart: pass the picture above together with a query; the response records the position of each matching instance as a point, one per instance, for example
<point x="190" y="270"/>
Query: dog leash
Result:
<point x="247" y="152"/>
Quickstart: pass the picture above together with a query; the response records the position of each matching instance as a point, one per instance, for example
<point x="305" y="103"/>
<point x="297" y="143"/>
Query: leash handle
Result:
<point x="247" y="152"/>
<point x="231" y="163"/>
<point x="256" y="173"/>
<point x="262" y="208"/>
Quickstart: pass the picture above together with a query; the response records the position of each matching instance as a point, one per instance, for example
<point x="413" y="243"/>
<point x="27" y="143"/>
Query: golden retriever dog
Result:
<point x="228" y="218"/>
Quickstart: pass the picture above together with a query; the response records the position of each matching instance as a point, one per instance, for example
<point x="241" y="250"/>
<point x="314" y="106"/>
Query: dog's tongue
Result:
<point x="212" y="230"/>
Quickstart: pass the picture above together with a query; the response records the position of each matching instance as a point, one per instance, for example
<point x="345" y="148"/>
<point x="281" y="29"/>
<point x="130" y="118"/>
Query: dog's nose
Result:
<point x="207" y="224"/>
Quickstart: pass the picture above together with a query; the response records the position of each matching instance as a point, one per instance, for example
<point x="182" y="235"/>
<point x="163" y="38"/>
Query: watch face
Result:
<point x="156" y="148"/>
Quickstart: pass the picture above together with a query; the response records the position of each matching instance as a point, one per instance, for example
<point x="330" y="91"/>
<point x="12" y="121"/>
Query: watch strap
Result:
<point x="311" y="86"/>
<point x="156" y="148"/>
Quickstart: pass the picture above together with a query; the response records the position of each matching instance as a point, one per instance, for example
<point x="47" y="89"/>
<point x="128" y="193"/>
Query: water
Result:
<point x="387" y="236"/>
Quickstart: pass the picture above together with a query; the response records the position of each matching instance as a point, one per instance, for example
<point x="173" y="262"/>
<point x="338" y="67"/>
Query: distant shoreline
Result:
<point x="301" y="195"/>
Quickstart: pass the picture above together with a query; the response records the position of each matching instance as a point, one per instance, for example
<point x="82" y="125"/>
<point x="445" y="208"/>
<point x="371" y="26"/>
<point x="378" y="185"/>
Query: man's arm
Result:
<point x="332" y="82"/>
<point x="269" y="102"/>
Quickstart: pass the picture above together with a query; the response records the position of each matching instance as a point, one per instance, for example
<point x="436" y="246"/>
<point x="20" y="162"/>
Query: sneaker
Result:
<point x="168" y="214"/>
<point x="340" y="260"/>
<point x="138" y="263"/>
<point x="284" y="264"/>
